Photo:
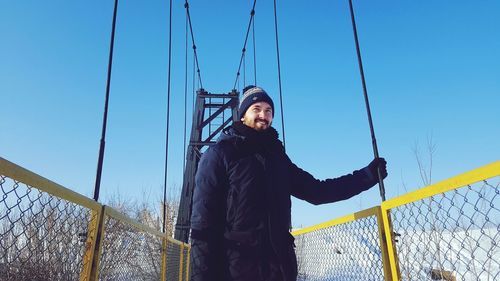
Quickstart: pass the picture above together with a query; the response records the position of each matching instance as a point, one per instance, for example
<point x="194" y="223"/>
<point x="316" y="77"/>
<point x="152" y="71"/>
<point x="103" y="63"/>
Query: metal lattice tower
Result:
<point x="212" y="112"/>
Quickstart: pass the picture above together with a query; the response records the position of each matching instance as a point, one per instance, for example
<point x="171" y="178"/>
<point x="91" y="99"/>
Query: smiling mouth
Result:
<point x="262" y="122"/>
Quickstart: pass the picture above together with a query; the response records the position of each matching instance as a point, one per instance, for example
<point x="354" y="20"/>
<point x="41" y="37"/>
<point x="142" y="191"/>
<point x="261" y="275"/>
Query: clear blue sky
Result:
<point x="432" y="68"/>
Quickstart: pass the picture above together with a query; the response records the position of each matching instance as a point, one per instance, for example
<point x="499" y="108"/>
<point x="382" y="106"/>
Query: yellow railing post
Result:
<point x="94" y="274"/>
<point x="93" y="230"/>
<point x="389" y="257"/>
<point x="188" y="263"/>
<point x="181" y="261"/>
<point x="164" y="258"/>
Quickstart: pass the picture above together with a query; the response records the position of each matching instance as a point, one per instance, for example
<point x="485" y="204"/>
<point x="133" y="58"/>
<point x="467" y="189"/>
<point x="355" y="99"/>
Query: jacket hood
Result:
<point x="229" y="133"/>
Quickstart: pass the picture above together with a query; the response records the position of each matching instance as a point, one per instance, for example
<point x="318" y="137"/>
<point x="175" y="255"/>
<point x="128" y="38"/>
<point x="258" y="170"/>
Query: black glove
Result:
<point x="377" y="163"/>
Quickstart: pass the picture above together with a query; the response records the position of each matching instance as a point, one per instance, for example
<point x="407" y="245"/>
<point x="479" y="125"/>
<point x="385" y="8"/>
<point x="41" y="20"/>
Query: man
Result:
<point x="241" y="212"/>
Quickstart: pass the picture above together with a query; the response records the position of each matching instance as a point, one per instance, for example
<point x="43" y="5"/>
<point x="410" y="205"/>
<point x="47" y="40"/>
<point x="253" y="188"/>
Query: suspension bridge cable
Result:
<point x="105" y="118"/>
<point x="194" y="83"/>
<point x="254" y="53"/>
<point x="186" y="5"/>
<point x="168" y="118"/>
<point x="252" y="14"/>
<point x="365" y="93"/>
<point x="185" y="96"/>
<point x="279" y="74"/>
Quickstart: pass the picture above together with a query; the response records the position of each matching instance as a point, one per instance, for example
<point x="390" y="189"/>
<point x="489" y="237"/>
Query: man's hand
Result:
<point x="380" y="164"/>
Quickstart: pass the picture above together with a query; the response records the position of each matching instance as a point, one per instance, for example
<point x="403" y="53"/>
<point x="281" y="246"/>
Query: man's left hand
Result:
<point x="381" y="165"/>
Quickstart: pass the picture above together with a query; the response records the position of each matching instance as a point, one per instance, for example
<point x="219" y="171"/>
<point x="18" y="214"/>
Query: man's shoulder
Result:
<point x="222" y="148"/>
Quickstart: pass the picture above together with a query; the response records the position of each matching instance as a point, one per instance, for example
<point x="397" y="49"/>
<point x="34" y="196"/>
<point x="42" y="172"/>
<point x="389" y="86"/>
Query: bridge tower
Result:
<point x="212" y="112"/>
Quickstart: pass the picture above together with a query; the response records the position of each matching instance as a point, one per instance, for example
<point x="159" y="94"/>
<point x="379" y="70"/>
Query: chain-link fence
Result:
<point x="40" y="234"/>
<point x="446" y="231"/>
<point x="341" y="250"/>
<point x="129" y="252"/>
<point x="185" y="263"/>
<point x="174" y="259"/>
<point x="42" y="237"/>
<point x="450" y="236"/>
<point x="48" y="232"/>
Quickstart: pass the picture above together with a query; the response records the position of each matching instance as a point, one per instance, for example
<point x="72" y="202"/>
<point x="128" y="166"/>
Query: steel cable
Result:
<point x="185" y="96"/>
<point x="365" y="94"/>
<point x="186" y="5"/>
<point x="168" y="118"/>
<point x="252" y="14"/>
<point x="105" y="118"/>
<point x="279" y="74"/>
<point x="254" y="53"/>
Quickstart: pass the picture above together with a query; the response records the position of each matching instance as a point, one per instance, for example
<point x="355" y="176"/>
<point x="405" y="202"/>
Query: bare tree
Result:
<point x="425" y="169"/>
<point x="131" y="252"/>
<point x="41" y="237"/>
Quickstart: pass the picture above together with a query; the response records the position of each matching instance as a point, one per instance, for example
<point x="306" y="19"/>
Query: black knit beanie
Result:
<point x="251" y="95"/>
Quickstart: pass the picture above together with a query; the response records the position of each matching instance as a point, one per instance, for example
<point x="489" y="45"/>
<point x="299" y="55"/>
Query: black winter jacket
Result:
<point x="241" y="212"/>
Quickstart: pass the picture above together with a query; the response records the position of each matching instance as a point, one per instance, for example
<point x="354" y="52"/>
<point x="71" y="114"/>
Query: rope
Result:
<point x="365" y="93"/>
<point x="186" y="5"/>
<point x="279" y="74"/>
<point x="252" y="14"/>
<point x="168" y="118"/>
<point x="105" y="118"/>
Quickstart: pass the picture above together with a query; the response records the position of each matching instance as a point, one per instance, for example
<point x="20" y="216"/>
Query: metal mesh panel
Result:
<point x="185" y="263"/>
<point x="173" y="260"/>
<point x="349" y="251"/>
<point x="128" y="253"/>
<point x="451" y="236"/>
<point x="42" y="237"/>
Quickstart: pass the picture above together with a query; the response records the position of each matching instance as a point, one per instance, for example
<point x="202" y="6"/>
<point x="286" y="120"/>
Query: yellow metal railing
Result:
<point x="330" y="250"/>
<point x="48" y="232"/>
<point x="445" y="231"/>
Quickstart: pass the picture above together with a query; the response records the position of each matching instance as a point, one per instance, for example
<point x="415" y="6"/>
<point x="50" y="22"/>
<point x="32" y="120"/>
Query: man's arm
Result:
<point x="207" y="218"/>
<point x="314" y="191"/>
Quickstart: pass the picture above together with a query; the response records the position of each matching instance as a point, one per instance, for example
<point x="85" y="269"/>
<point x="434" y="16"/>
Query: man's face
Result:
<point x="258" y="116"/>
